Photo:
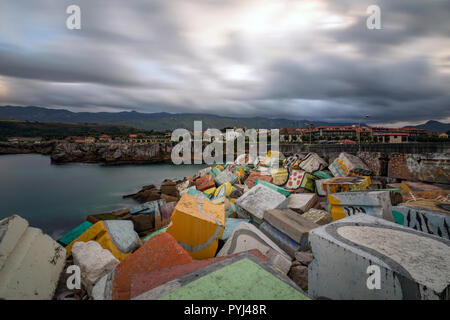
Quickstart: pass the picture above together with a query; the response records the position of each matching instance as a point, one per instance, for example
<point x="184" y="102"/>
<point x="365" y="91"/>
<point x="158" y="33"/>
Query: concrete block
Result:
<point x="94" y="262"/>
<point x="30" y="261"/>
<point x="348" y="183"/>
<point x="312" y="163"/>
<point x="375" y="203"/>
<point x="231" y="225"/>
<point x="205" y="183"/>
<point x="197" y="194"/>
<point x="302" y="202"/>
<point x="255" y="175"/>
<point x="412" y="264"/>
<point x="347" y="164"/>
<point x="282" y="240"/>
<point x="67" y="238"/>
<point x="292" y="224"/>
<point x="278" y="189"/>
<point x="224" y="177"/>
<point x="431" y="222"/>
<point x="240" y="277"/>
<point x="102" y="289"/>
<point x="122" y="234"/>
<point x="279" y="176"/>
<point x="247" y="237"/>
<point x="293" y="161"/>
<point x="324" y="174"/>
<point x="197" y="225"/>
<point x="144" y="282"/>
<point x="203" y="172"/>
<point x="161" y="251"/>
<point x="260" y="198"/>
<point x="119" y="238"/>
<point x="320" y="187"/>
<point x="300" y="178"/>
<point x="148" y="207"/>
<point x="317" y="216"/>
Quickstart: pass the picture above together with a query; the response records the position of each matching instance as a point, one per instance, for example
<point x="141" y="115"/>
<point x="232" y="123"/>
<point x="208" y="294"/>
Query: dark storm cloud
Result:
<point x="277" y="58"/>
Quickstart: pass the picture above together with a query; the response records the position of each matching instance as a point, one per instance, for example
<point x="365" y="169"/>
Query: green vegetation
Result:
<point x="54" y="130"/>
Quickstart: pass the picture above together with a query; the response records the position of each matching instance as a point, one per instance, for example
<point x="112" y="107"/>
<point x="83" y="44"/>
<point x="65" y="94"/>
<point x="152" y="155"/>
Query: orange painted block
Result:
<point x="197" y="225"/>
<point x="146" y="281"/>
<point x="204" y="183"/>
<point x="161" y="251"/>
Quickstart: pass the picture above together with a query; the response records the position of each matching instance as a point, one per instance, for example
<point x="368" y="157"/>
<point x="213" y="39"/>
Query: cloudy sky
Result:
<point x="293" y="59"/>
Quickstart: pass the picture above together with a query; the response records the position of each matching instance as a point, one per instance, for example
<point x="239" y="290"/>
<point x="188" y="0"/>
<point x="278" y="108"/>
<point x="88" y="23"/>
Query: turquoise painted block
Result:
<point x="66" y="239"/>
<point x="230" y="225"/>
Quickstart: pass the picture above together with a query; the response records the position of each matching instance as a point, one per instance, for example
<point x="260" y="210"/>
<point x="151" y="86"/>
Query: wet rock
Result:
<point x="299" y="274"/>
<point x="304" y="258"/>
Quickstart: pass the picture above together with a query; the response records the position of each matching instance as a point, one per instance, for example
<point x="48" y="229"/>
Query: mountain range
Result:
<point x="164" y="121"/>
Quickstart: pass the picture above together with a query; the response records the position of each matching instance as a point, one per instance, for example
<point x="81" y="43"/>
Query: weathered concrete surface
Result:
<point x="240" y="277"/>
<point x="205" y="182"/>
<point x="302" y="202"/>
<point x="317" y="216"/>
<point x="197" y="225"/>
<point x="320" y="187"/>
<point x="255" y="175"/>
<point x="144" y="282"/>
<point x="258" y="199"/>
<point x="247" y="237"/>
<point x="30" y="261"/>
<point x="300" y="178"/>
<point x="276" y="188"/>
<point x="282" y="240"/>
<point x="161" y="251"/>
<point x="122" y="234"/>
<point x="230" y="225"/>
<point x="424" y="167"/>
<point x="348" y="183"/>
<point x="347" y="164"/>
<point x="312" y="163"/>
<point x="431" y="222"/>
<point x="375" y="203"/>
<point x="224" y="177"/>
<point x="280" y="176"/>
<point x="67" y="238"/>
<point x="98" y="232"/>
<point x="413" y="264"/>
<point x="292" y="224"/>
<point x="94" y="262"/>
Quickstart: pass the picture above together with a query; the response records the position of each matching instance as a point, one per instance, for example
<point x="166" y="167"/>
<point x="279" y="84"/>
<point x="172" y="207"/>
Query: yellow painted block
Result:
<point x="210" y="191"/>
<point x="221" y="168"/>
<point x="280" y="176"/>
<point x="225" y="193"/>
<point x="197" y="224"/>
<point x="99" y="234"/>
<point x="337" y="212"/>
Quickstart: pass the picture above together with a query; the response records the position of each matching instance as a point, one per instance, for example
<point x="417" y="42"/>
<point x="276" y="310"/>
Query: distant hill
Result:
<point x="14" y="128"/>
<point x="162" y="121"/>
<point x="433" y="125"/>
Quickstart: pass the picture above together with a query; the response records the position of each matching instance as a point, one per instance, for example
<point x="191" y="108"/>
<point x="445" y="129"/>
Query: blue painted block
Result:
<point x="66" y="239"/>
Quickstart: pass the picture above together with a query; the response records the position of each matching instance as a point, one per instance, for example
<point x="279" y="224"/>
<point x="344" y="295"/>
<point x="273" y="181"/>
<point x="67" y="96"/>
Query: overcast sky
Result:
<point x="292" y="59"/>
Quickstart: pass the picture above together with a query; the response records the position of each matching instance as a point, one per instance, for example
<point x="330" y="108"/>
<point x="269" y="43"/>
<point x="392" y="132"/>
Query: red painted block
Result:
<point x="250" y="181"/>
<point x="144" y="282"/>
<point x="161" y="251"/>
<point x="205" y="183"/>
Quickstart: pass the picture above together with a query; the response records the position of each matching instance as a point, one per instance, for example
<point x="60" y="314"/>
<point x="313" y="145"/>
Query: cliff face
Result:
<point x="110" y="153"/>
<point x="21" y="148"/>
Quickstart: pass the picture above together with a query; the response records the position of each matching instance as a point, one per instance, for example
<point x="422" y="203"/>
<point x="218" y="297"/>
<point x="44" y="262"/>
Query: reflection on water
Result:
<point x="56" y="198"/>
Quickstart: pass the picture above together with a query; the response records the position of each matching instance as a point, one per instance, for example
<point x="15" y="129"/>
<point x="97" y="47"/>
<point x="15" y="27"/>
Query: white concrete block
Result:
<point x="31" y="262"/>
<point x="411" y="264"/>
<point x="94" y="262"/>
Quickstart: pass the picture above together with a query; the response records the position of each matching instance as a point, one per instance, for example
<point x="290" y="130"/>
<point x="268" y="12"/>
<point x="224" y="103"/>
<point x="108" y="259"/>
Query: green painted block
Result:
<point x="66" y="239"/>
<point x="241" y="280"/>
<point x="324" y="174"/>
<point x="308" y="182"/>
<point x="278" y="189"/>
<point x="151" y="235"/>
<point x="215" y="172"/>
<point x="398" y="217"/>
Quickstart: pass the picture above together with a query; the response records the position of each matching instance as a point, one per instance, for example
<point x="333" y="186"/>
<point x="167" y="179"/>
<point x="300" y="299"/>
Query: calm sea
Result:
<point x="56" y="198"/>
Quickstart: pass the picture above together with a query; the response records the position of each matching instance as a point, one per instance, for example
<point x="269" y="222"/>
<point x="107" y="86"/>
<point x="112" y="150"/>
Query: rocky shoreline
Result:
<point x="106" y="153"/>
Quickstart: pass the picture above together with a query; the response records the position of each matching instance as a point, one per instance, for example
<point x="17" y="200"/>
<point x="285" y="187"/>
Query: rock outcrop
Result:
<point x="109" y="153"/>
